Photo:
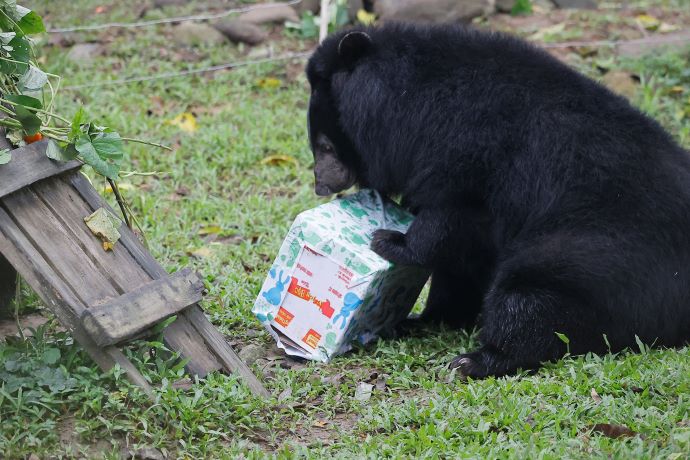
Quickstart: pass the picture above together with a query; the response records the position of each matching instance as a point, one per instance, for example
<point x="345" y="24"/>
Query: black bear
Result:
<point x="545" y="204"/>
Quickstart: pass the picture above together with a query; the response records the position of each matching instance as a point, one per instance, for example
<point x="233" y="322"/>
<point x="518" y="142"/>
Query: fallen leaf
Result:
<point x="676" y="90"/>
<point x="210" y="230"/>
<point x="100" y="9"/>
<point x="104" y="225"/>
<point x="613" y="431"/>
<point x="185" y="121"/>
<point x="363" y="391"/>
<point x="648" y="22"/>
<point x="203" y="252"/>
<point x="182" y="191"/>
<point x="279" y="160"/>
<point x="268" y="83"/>
<point x="366" y="17"/>
<point x="320" y="423"/>
<point x="595" y="396"/>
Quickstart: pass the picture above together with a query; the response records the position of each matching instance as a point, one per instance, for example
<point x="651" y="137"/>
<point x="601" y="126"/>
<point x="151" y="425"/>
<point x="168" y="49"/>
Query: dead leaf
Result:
<point x="548" y="31"/>
<point x="182" y="191"/>
<point x="620" y="82"/>
<point x="613" y="431"/>
<point x="320" y="423"/>
<point x="203" y="252"/>
<point x="104" y="225"/>
<point x="268" y="83"/>
<point x="665" y="28"/>
<point x="185" y="121"/>
<point x="363" y="391"/>
<point x="595" y="396"/>
<point x="279" y="160"/>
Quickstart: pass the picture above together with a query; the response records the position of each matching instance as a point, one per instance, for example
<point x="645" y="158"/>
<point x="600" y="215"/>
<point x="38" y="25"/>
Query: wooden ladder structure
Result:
<point x="103" y="298"/>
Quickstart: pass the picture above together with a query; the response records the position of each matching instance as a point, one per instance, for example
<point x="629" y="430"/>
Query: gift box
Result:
<point x="327" y="288"/>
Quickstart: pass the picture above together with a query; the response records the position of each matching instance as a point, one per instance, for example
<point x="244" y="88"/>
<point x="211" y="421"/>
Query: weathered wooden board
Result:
<point x="103" y="297"/>
<point x="131" y="313"/>
<point x="29" y="165"/>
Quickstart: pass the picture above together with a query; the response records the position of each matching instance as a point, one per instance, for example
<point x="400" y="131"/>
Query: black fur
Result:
<point x="542" y="200"/>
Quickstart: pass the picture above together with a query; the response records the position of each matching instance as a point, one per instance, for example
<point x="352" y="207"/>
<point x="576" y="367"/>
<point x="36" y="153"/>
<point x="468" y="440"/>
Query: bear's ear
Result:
<point x="353" y="46"/>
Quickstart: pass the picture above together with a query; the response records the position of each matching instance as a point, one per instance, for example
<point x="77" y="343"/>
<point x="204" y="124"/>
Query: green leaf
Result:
<point x="33" y="79"/>
<point x="78" y="119"/>
<point x="90" y="156"/>
<point x="6" y="37"/>
<point x="55" y="152"/>
<point x="564" y="338"/>
<point x="5" y="156"/>
<point x="26" y="101"/>
<point x="31" y="124"/>
<point x="521" y="7"/>
<point x="21" y="51"/>
<point x="30" y="22"/>
<point x="51" y="355"/>
<point x="108" y="145"/>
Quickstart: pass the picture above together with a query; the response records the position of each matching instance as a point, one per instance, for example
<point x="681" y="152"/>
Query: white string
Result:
<point x="183" y="73"/>
<point x="153" y="22"/>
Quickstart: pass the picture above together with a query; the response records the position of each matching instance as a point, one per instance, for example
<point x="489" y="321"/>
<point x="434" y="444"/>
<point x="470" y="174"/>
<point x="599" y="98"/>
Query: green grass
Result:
<point x="58" y="404"/>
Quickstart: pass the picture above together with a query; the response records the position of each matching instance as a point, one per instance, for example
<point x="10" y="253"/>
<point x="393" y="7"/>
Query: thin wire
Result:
<point x="304" y="54"/>
<point x="169" y="75"/>
<point x="153" y="22"/>
<point x="635" y="41"/>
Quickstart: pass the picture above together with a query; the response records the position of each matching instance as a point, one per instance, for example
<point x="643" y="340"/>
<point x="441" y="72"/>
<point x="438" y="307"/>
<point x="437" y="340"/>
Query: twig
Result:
<point x="139" y="141"/>
<point x="323" y="25"/>
<point x="120" y="201"/>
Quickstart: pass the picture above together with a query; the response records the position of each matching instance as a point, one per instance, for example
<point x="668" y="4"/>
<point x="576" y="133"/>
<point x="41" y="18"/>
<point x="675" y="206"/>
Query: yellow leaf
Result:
<point x="648" y="22"/>
<point x="200" y="253"/>
<point x="366" y="17"/>
<point x="185" y="121"/>
<point x="268" y="83"/>
<point x="676" y="90"/>
<point x="210" y="230"/>
<point x="279" y="160"/>
<point x="104" y="225"/>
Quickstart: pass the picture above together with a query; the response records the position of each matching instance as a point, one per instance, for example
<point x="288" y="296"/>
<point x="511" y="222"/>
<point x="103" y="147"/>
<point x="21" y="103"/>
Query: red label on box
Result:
<point x="312" y="338"/>
<point x="284" y="317"/>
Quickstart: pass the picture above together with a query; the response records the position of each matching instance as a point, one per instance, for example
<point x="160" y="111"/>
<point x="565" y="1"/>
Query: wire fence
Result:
<point x="170" y="20"/>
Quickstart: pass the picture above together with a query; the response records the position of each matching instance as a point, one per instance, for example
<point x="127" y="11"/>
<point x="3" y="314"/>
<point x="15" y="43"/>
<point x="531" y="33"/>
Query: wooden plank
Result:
<point x="58" y="296"/>
<point x="231" y="362"/>
<point x="70" y="209"/>
<point x="65" y="254"/>
<point x="140" y="309"/>
<point x="29" y="165"/>
<point x="183" y="335"/>
<point x="180" y="336"/>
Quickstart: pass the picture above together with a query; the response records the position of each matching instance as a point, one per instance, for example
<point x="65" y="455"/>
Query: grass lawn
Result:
<point x="216" y="207"/>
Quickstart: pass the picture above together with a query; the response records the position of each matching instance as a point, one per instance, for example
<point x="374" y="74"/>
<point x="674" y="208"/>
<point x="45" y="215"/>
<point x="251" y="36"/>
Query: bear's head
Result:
<point x="337" y="164"/>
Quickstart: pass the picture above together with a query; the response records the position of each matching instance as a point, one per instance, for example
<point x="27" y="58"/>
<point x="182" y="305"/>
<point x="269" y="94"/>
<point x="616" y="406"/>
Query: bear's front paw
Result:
<point x="389" y="244"/>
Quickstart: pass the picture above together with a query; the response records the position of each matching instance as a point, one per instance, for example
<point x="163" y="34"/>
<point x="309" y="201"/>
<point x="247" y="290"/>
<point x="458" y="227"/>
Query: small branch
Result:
<point x="120" y="202"/>
<point x="17" y="304"/>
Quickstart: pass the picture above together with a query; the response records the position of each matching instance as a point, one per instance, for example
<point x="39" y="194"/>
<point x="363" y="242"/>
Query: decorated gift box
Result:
<point x="327" y="288"/>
